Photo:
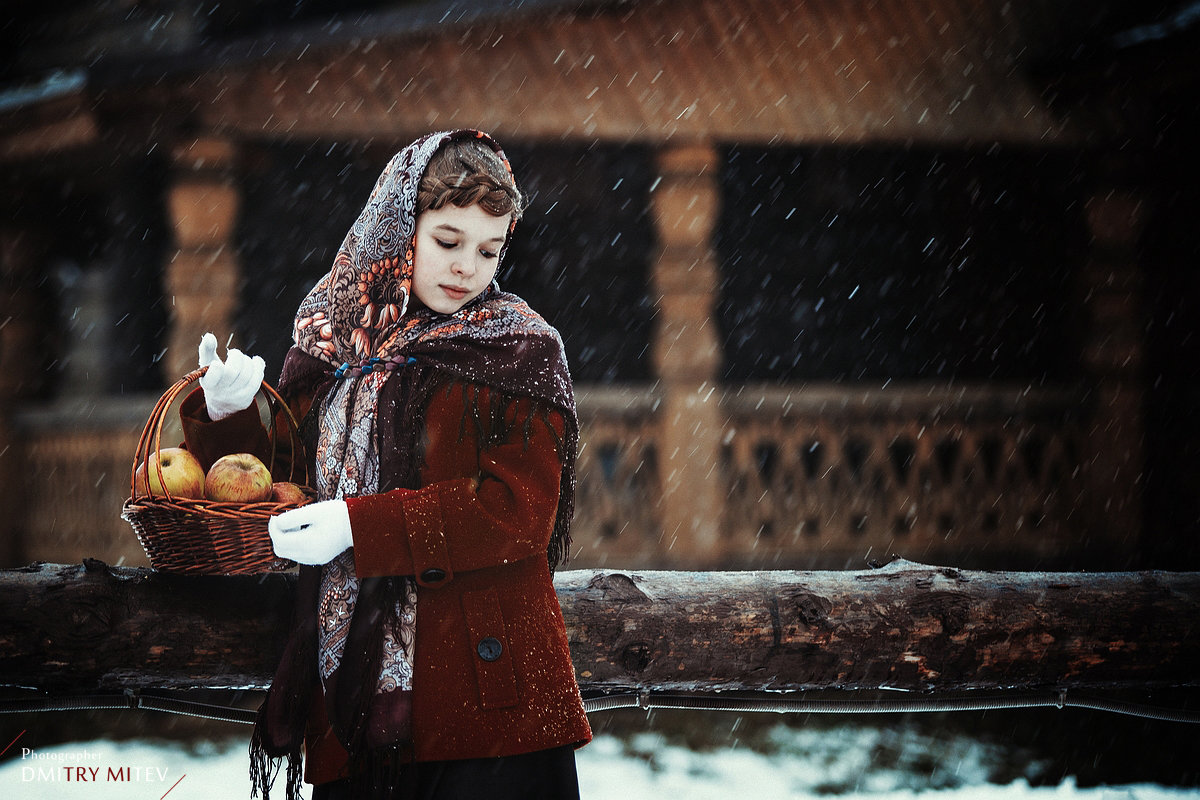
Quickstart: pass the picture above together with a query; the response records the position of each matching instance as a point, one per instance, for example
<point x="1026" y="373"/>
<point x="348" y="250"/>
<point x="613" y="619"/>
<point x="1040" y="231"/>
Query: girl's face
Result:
<point x="456" y="252"/>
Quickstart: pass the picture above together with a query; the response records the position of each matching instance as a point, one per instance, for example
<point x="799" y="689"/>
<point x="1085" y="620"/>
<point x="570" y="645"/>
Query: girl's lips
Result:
<point x="454" y="291"/>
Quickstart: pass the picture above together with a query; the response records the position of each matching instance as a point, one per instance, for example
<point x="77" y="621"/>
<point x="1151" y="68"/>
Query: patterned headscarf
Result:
<point x="351" y="315"/>
<point x="357" y="319"/>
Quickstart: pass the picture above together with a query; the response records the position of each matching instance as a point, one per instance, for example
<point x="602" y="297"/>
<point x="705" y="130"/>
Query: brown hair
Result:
<point x="467" y="172"/>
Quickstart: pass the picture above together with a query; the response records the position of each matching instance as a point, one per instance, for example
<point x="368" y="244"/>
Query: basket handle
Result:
<point x="296" y="443"/>
<point x="152" y="432"/>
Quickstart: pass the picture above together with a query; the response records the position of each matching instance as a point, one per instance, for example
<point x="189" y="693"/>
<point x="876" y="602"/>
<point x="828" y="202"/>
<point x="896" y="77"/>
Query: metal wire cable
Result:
<point x="654" y="700"/>
<point x="129" y="699"/>
<point x="989" y="702"/>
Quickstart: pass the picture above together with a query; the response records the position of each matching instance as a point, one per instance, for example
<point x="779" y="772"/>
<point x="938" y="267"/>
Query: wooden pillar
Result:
<point x="685" y="204"/>
<point x="202" y="274"/>
<point x="1113" y="355"/>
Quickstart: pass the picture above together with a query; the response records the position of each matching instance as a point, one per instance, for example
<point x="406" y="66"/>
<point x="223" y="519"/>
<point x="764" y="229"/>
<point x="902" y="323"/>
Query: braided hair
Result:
<point x="467" y="172"/>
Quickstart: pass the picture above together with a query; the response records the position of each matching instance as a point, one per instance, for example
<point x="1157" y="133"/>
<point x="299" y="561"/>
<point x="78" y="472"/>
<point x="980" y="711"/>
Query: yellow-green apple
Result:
<point x="182" y="475"/>
<point x="288" y="492"/>
<point x="238" y="478"/>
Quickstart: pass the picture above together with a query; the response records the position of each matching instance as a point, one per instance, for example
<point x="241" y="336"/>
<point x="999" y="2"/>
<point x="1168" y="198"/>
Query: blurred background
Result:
<point x="838" y="281"/>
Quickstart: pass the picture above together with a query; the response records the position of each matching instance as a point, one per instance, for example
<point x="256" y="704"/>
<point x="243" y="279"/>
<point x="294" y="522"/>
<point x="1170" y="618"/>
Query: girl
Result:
<point x="429" y="657"/>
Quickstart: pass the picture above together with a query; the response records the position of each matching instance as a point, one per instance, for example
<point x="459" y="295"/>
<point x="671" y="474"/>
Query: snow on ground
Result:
<point x="609" y="769"/>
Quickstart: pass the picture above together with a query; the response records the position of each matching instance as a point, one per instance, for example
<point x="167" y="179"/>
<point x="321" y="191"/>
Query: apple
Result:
<point x="238" y="478"/>
<point x="182" y="475"/>
<point x="288" y="492"/>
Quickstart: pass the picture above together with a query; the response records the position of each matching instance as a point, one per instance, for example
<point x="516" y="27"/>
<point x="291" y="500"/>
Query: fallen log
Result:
<point x="904" y="626"/>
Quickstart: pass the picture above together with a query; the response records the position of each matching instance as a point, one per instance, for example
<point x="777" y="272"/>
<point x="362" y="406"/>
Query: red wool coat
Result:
<point x="492" y="669"/>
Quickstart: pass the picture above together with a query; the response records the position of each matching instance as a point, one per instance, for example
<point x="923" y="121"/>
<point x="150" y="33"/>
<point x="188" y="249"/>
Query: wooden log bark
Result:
<point x="904" y="626"/>
<point x="87" y="627"/>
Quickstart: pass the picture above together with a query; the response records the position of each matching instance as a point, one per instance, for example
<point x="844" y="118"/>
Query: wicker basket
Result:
<point x="207" y="537"/>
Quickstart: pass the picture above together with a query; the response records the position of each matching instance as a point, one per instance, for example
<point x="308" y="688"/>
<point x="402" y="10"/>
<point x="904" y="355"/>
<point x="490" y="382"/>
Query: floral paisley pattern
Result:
<point x="339" y="593"/>
<point x="357" y="312"/>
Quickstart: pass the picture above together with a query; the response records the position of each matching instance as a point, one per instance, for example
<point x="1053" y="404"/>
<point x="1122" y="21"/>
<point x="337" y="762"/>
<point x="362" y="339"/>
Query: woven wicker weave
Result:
<point x="208" y="537"/>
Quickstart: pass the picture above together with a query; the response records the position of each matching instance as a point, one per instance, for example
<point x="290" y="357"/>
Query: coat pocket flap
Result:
<point x="490" y="651"/>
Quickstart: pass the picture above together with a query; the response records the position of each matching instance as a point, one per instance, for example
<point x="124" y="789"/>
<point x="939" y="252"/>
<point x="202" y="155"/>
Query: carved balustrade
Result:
<point x="810" y="476"/>
<point x="618" y="493"/>
<point x="823" y="474"/>
<point x="75" y="474"/>
<point x="832" y="476"/>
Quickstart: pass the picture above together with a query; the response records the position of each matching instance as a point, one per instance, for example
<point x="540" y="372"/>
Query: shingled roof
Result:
<point x="760" y="70"/>
<point x="763" y="71"/>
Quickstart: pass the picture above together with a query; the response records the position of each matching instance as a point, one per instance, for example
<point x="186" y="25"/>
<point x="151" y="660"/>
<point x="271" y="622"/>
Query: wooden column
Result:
<point x="1113" y="355"/>
<point x="685" y="204"/>
<point x="202" y="274"/>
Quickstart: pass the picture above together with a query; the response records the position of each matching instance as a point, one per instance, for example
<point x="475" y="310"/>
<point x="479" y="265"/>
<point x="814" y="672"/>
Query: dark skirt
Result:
<point x="542" y="775"/>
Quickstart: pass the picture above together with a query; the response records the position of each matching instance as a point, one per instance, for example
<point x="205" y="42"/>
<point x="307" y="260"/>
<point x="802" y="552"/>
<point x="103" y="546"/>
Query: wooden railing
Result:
<point x="918" y="469"/>
<point x="831" y="476"/>
<point x="617" y="500"/>
<point x="811" y="477"/>
<point x="75" y="464"/>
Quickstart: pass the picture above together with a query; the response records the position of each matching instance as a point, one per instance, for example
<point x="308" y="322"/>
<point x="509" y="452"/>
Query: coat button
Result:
<point x="433" y="575"/>
<point x="489" y="649"/>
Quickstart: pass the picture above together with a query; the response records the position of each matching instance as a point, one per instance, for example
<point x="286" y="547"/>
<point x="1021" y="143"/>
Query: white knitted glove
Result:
<point x="228" y="387"/>
<point x="312" y="534"/>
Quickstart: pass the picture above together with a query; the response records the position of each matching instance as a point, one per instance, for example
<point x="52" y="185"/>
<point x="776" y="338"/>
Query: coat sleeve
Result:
<point x="243" y="432"/>
<point x="240" y="432"/>
<point x="499" y="508"/>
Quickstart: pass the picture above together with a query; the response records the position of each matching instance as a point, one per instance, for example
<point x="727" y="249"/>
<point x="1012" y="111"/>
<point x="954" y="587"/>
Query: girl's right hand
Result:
<point x="230" y="386"/>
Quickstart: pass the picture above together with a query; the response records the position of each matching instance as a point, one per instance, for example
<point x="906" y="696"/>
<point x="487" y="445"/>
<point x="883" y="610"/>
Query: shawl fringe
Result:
<point x="497" y="426"/>
<point x="280" y="722"/>
<point x="379" y="772"/>
<point x="264" y="768"/>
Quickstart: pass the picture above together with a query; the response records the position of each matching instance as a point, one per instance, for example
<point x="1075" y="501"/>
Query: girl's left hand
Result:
<point x="312" y="534"/>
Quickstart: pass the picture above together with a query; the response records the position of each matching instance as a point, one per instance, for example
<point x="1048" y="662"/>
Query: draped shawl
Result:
<point x="354" y="332"/>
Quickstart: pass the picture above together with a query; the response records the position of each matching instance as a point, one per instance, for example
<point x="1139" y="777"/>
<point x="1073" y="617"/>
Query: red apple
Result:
<point x="288" y="492"/>
<point x="182" y="475"/>
<point x="238" y="478"/>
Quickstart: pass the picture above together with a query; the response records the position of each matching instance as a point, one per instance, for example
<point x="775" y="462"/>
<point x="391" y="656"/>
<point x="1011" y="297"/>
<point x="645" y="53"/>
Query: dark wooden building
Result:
<point x="837" y="280"/>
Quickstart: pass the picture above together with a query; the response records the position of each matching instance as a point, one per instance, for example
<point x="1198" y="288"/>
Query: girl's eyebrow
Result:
<point x="451" y="229"/>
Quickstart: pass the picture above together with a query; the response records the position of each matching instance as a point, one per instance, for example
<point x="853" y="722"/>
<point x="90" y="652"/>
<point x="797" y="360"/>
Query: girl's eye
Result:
<point x="446" y="245"/>
<point x="487" y="254"/>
